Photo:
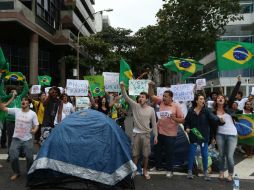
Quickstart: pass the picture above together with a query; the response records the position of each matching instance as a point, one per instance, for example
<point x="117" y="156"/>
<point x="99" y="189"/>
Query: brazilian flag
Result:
<point x="234" y="55"/>
<point x="14" y="76"/>
<point x="4" y="65"/>
<point x="125" y="72"/>
<point x="44" y="80"/>
<point x="186" y="67"/>
<point x="96" y="84"/>
<point x="245" y="129"/>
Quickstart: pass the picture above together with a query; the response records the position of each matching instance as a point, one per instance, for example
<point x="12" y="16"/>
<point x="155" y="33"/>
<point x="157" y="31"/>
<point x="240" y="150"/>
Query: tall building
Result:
<point x="235" y="31"/>
<point x="37" y="35"/>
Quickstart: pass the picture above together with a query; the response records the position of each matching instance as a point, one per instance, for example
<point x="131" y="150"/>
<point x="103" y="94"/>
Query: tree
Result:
<point x="191" y="27"/>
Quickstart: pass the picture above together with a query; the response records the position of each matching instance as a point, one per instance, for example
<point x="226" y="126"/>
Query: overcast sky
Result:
<point x="130" y="14"/>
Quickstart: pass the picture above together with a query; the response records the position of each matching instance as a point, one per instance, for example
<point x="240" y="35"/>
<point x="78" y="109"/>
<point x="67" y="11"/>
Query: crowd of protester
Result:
<point x="26" y="119"/>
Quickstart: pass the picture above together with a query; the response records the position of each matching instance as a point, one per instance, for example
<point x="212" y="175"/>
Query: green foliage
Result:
<point x="192" y="27"/>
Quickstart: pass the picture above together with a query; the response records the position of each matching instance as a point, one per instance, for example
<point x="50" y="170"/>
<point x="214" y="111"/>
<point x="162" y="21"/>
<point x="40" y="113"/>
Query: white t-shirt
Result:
<point x="67" y="110"/>
<point x="229" y="127"/>
<point x="24" y="122"/>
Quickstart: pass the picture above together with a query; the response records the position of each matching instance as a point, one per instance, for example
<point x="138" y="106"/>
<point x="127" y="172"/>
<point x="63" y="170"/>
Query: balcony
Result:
<point x="70" y="19"/>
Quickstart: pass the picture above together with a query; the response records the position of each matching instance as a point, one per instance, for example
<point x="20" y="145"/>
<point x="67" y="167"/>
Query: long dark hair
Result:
<point x="100" y="102"/>
<point x="245" y="105"/>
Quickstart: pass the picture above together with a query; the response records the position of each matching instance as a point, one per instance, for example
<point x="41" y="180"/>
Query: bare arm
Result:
<point x="125" y="96"/>
<point x="34" y="129"/>
<point x="150" y="88"/>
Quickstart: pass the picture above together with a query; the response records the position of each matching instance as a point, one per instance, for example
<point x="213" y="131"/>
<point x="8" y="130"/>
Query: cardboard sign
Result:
<point x="82" y="102"/>
<point x="161" y="90"/>
<point x="36" y="89"/>
<point x="137" y="86"/>
<point x="77" y="87"/>
<point x="183" y="92"/>
<point x="111" y="82"/>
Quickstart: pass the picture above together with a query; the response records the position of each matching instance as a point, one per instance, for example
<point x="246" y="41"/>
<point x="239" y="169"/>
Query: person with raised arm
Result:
<point x="143" y="115"/>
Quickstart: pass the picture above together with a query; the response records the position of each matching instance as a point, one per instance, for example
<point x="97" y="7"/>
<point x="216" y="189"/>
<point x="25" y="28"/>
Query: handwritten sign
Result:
<point x="137" y="86"/>
<point x="36" y="89"/>
<point x="161" y="90"/>
<point x="183" y="92"/>
<point x="200" y="83"/>
<point x="111" y="82"/>
<point x="163" y="114"/>
<point x="77" y="87"/>
<point x="82" y="102"/>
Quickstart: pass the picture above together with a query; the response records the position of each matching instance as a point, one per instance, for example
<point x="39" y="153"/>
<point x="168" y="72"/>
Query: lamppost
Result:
<point x="79" y="30"/>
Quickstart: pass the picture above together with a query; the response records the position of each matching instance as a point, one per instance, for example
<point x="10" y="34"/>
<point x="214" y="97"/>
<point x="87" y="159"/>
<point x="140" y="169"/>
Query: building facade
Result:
<point x="37" y="35"/>
<point x="235" y="31"/>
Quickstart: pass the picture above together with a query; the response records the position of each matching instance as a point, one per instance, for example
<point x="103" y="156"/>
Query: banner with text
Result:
<point x="77" y="87"/>
<point x="137" y="86"/>
<point x="161" y="90"/>
<point x="111" y="82"/>
<point x="183" y="92"/>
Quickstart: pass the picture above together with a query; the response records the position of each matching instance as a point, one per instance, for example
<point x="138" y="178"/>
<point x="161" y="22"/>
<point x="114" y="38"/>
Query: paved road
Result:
<point x="244" y="169"/>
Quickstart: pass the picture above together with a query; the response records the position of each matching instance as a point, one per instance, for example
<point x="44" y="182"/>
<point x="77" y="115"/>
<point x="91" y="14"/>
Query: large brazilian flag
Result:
<point x="245" y="129"/>
<point x="234" y="55"/>
<point x="186" y="67"/>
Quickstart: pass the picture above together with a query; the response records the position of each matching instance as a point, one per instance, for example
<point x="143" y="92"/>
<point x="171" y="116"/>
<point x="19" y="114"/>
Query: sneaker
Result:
<point x="169" y="174"/>
<point x="207" y="177"/>
<point x="134" y="174"/>
<point x="153" y="169"/>
<point x="190" y="175"/>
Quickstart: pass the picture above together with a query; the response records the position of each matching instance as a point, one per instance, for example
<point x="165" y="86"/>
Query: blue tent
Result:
<point x="88" y="146"/>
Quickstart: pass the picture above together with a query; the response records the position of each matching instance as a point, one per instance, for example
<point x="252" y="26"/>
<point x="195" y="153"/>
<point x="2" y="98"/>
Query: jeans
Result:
<point x="17" y="146"/>
<point x="192" y="154"/>
<point x="226" y="146"/>
<point x="165" y="143"/>
<point x="10" y="126"/>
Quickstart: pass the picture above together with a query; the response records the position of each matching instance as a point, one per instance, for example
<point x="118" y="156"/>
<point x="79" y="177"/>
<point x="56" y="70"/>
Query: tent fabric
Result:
<point x="88" y="145"/>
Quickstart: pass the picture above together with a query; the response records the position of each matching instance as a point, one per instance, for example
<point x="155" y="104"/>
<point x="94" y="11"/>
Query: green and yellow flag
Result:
<point x="186" y="67"/>
<point x="96" y="84"/>
<point x="4" y="65"/>
<point x="125" y="72"/>
<point x="245" y="129"/>
<point x="44" y="80"/>
<point x="234" y="55"/>
<point x="14" y="76"/>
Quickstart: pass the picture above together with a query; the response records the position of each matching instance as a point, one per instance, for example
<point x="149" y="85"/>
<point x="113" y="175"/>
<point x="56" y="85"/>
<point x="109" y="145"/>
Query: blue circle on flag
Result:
<point x="244" y="127"/>
<point x="97" y="90"/>
<point x="185" y="64"/>
<point x="240" y="53"/>
<point x="13" y="78"/>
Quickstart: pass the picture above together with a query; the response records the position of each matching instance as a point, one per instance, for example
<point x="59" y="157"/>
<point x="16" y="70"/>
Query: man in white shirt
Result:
<point x="26" y="125"/>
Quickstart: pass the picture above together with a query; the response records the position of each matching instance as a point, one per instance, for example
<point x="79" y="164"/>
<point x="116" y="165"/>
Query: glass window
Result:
<point x="246" y="8"/>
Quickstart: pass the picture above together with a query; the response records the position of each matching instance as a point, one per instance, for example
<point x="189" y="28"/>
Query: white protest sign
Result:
<point x="137" y="86"/>
<point x="163" y="114"/>
<point x="61" y="89"/>
<point x="47" y="90"/>
<point x="252" y="91"/>
<point x="210" y="104"/>
<point x="77" y="87"/>
<point x="183" y="92"/>
<point x="111" y="82"/>
<point x="161" y="90"/>
<point x="200" y="83"/>
<point x="36" y="89"/>
<point x="82" y="102"/>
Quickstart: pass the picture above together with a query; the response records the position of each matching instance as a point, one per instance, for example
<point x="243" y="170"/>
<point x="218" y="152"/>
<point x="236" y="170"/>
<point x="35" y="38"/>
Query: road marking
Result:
<point x="5" y="156"/>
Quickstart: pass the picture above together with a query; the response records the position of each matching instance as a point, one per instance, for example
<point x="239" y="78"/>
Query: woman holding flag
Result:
<point x="197" y="125"/>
